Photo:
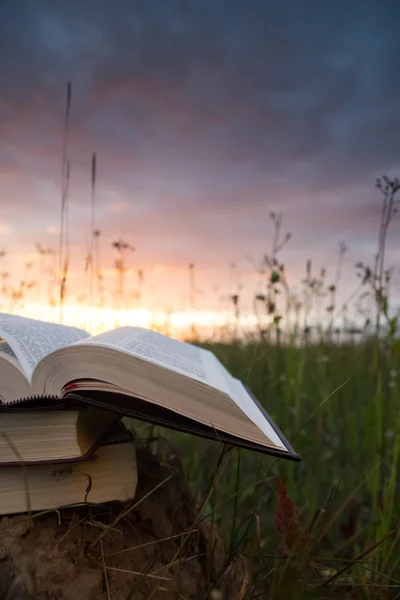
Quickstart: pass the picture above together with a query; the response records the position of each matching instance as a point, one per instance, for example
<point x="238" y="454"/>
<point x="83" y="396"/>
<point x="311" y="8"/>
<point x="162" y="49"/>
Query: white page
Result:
<point x="6" y="350"/>
<point x="245" y="402"/>
<point x="162" y="350"/>
<point x="32" y="340"/>
<point x="7" y="354"/>
<point x="250" y="408"/>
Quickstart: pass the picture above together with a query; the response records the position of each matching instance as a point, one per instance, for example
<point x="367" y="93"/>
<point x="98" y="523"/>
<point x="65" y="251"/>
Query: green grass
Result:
<point x="339" y="406"/>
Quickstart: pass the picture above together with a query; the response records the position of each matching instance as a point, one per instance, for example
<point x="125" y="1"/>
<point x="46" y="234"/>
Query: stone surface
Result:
<point x="95" y="553"/>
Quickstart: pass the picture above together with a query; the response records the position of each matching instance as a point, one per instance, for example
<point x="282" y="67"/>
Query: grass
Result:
<point x="339" y="405"/>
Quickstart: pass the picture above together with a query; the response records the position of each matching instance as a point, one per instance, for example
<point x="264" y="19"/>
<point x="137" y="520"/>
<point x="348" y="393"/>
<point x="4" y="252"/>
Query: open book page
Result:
<point x="32" y="340"/>
<point x="177" y="356"/>
<point x="13" y="381"/>
<point x="241" y="397"/>
<point x="250" y="408"/>
<point x="7" y="354"/>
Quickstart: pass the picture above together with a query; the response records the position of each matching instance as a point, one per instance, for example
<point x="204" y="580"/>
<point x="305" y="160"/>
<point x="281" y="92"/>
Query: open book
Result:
<point x="137" y="373"/>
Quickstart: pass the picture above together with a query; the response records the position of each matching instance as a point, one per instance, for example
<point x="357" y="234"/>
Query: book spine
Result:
<point x="44" y="402"/>
<point x="29" y="398"/>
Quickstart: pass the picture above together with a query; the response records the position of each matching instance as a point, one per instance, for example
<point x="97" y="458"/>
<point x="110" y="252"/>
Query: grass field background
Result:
<point x="339" y="406"/>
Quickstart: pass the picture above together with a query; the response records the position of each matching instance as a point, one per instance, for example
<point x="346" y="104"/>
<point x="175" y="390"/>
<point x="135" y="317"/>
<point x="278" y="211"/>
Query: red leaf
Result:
<point x="286" y="520"/>
<point x="285" y="517"/>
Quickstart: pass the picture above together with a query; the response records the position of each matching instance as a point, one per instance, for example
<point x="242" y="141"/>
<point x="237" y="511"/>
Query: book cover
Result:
<point x="142" y="410"/>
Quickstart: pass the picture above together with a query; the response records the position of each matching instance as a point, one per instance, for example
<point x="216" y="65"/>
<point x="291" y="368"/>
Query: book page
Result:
<point x="7" y="354"/>
<point x="245" y="402"/>
<point x="32" y="340"/>
<point x="242" y="398"/>
<point x="5" y="349"/>
<point x="162" y="350"/>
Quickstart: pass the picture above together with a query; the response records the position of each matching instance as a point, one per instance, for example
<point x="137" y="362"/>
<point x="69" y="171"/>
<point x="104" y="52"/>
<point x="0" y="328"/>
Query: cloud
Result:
<point x="272" y="87"/>
<point x="205" y="116"/>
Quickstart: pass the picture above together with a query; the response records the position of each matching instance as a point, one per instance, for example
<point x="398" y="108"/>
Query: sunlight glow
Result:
<point x="97" y="320"/>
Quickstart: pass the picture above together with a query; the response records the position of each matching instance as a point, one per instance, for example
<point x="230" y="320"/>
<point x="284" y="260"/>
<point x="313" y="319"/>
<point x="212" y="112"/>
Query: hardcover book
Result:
<point x="109" y="474"/>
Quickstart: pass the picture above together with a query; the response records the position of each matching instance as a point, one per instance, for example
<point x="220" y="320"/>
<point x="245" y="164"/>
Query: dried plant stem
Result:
<point x="63" y="258"/>
<point x="361" y="556"/>
<point x="105" y="571"/>
<point x="166" y="539"/>
<point x="126" y="512"/>
<point x="92" y="266"/>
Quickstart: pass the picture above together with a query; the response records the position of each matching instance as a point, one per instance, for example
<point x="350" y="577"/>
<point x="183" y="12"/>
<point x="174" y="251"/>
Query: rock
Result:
<point x="150" y="547"/>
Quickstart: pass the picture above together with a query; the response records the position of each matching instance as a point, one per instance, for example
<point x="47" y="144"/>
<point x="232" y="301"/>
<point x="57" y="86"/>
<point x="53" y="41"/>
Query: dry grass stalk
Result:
<point x="63" y="251"/>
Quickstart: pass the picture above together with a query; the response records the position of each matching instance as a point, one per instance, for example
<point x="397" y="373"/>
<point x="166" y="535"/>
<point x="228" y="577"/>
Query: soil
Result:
<point x="119" y="552"/>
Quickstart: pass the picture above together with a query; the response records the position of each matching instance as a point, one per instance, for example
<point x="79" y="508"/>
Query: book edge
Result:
<point x="274" y="426"/>
<point x="196" y="428"/>
<point x="103" y="440"/>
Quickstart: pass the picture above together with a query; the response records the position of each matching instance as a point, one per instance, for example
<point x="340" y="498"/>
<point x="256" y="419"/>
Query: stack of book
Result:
<point x="63" y="456"/>
<point x="63" y="393"/>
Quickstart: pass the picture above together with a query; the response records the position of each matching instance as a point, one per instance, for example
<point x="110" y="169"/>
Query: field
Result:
<point x="339" y="405"/>
<point x="334" y="531"/>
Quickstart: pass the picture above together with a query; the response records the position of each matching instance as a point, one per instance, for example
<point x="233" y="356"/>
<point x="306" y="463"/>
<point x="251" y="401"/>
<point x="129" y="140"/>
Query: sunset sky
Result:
<point x="205" y="116"/>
